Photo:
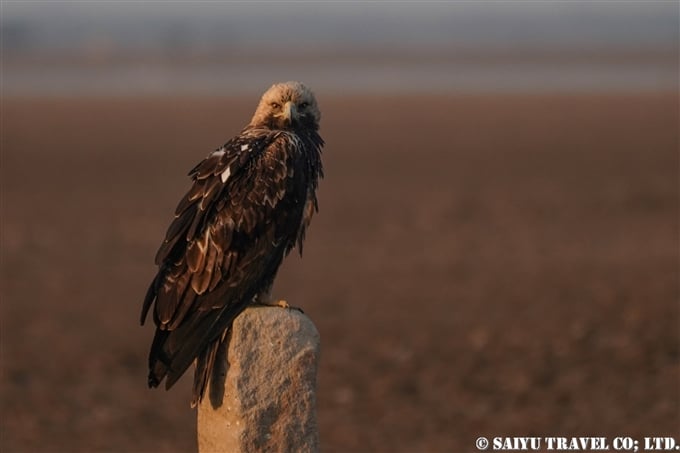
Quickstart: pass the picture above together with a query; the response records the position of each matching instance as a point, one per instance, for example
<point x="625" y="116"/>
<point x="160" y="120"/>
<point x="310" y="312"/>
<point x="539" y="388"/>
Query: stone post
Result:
<point x="261" y="397"/>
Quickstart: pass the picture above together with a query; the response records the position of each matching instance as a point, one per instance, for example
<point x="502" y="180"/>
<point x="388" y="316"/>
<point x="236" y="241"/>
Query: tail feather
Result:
<point x="158" y="363"/>
<point x="204" y="367"/>
<point x="149" y="298"/>
<point x="197" y="339"/>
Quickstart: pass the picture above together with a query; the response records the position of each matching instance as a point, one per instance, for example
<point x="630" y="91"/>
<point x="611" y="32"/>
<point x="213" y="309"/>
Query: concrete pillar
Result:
<point x="262" y="395"/>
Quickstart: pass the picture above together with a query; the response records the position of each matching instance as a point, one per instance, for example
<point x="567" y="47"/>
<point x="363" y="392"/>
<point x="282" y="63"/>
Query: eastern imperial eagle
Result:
<point x="250" y="203"/>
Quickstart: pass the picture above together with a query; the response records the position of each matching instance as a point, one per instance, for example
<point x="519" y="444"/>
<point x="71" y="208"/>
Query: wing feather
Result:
<point x="182" y="309"/>
<point x="212" y="189"/>
<point x="167" y="307"/>
<point x="176" y="230"/>
<point x="201" y="278"/>
<point x="196" y="253"/>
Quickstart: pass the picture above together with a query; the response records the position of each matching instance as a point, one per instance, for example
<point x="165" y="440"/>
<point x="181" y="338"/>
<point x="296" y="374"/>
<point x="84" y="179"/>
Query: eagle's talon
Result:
<point x="281" y="303"/>
<point x="284" y="304"/>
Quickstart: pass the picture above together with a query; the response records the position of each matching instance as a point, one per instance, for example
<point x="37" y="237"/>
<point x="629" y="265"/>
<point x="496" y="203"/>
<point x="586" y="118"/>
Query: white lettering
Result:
<point x="516" y="443"/>
<point x="576" y="443"/>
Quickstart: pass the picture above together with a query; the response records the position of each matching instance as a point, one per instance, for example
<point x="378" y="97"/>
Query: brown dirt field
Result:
<point x="480" y="266"/>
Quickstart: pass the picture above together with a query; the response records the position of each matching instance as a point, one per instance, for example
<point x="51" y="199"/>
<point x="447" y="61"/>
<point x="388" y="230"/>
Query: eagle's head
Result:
<point x="287" y="106"/>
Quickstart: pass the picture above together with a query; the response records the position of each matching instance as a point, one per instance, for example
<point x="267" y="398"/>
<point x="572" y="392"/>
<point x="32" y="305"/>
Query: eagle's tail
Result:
<point x="173" y="351"/>
<point x="205" y="370"/>
<point x="205" y="363"/>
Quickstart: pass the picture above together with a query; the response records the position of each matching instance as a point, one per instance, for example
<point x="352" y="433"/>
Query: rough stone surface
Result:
<point x="262" y="391"/>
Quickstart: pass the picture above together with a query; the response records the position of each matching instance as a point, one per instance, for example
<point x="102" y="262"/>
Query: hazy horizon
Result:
<point x="150" y="47"/>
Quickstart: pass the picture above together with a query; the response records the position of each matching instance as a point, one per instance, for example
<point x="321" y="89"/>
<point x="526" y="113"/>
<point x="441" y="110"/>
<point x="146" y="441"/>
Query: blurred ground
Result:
<point x="480" y="266"/>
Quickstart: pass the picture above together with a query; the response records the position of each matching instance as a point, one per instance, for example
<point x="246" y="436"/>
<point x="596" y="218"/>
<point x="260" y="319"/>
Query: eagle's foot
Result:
<point x="265" y="299"/>
<point x="284" y="304"/>
<point x="281" y="303"/>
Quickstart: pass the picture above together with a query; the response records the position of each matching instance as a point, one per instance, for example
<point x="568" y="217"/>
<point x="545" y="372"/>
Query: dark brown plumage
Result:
<point x="249" y="205"/>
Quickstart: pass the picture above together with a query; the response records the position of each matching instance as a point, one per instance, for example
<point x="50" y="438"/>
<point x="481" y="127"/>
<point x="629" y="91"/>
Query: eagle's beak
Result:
<point x="289" y="113"/>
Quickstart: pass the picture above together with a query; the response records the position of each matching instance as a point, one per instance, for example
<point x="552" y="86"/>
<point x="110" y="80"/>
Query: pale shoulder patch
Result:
<point x="225" y="175"/>
<point x="219" y="152"/>
<point x="244" y="147"/>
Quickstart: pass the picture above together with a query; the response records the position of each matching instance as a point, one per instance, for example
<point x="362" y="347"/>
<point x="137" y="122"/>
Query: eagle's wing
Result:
<point x="218" y="248"/>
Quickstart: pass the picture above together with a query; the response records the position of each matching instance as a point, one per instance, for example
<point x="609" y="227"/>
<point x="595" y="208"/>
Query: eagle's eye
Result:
<point x="275" y="105"/>
<point x="304" y="105"/>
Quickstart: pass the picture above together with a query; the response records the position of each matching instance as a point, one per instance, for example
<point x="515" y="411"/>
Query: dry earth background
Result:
<point x="481" y="265"/>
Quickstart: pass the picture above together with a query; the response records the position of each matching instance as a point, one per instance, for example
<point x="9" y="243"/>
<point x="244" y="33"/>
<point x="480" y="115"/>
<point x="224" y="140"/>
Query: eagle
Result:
<point x="250" y="203"/>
